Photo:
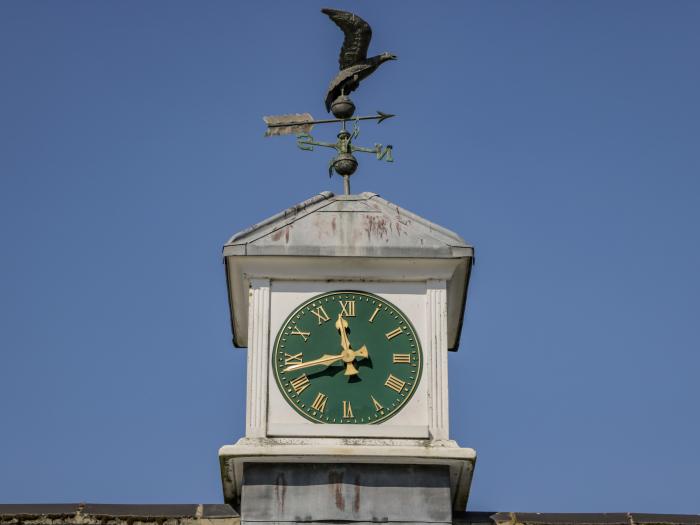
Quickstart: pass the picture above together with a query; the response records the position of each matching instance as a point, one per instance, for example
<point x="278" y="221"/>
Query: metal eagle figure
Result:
<point x="354" y="64"/>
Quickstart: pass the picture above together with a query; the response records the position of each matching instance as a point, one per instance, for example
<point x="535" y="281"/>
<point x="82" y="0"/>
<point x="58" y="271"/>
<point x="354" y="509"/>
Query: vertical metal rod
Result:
<point x="346" y="184"/>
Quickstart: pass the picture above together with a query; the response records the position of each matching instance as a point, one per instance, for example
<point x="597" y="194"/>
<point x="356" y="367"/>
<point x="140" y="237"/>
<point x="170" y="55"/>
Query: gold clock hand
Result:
<point x="350" y="368"/>
<point x="361" y="353"/>
<point x="324" y="359"/>
<point x="349" y="355"/>
<point x="341" y="324"/>
<point x="327" y="359"/>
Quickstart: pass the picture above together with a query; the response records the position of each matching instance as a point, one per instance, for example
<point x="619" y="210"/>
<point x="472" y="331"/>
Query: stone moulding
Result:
<point x="329" y="451"/>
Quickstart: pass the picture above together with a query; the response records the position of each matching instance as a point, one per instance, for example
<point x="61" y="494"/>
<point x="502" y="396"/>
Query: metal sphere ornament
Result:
<point x="342" y="107"/>
<point x="345" y="164"/>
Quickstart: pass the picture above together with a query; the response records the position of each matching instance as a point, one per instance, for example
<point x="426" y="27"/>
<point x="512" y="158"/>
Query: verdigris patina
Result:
<point x="354" y="67"/>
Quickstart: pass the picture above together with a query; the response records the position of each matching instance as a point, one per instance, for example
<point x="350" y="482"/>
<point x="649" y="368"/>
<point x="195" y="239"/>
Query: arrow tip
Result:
<point x="383" y="116"/>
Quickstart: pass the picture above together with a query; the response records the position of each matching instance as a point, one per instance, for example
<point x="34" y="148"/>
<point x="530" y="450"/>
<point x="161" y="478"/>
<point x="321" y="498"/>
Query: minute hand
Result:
<point x="324" y="359"/>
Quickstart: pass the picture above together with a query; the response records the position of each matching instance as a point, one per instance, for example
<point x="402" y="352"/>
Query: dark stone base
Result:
<point x="357" y="493"/>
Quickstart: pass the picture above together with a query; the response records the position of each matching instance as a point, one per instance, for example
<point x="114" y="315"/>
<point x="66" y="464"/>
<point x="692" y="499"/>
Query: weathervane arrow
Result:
<point x="296" y="123"/>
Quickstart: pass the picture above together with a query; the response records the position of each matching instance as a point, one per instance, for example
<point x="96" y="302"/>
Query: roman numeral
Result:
<point x="396" y="331"/>
<point x="402" y="358"/>
<point x="374" y="314"/>
<point x="319" y="402"/>
<point x="304" y="335"/>
<point x="347" y="308"/>
<point x="376" y="404"/>
<point x="394" y="383"/>
<point x="300" y="384"/>
<point x="293" y="359"/>
<point x="321" y="314"/>
<point x="347" y="409"/>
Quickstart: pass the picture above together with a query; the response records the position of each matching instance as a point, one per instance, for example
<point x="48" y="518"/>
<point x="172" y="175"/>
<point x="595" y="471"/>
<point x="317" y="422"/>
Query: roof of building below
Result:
<point x="219" y="514"/>
<point x="117" y="514"/>
<point x="610" y="518"/>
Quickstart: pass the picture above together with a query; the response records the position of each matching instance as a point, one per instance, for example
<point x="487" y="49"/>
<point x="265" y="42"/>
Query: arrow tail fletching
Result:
<point x="288" y="124"/>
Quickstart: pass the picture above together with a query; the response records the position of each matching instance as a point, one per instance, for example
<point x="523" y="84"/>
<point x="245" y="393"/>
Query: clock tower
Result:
<point x="348" y="306"/>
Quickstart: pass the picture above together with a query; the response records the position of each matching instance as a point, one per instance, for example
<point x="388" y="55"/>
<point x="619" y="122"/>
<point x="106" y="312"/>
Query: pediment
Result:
<point x="362" y="225"/>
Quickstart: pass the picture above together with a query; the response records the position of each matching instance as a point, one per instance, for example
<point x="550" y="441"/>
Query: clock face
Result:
<point x="347" y="357"/>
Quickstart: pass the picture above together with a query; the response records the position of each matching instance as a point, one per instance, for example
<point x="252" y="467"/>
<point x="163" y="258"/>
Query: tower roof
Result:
<point x="363" y="225"/>
<point x="337" y="231"/>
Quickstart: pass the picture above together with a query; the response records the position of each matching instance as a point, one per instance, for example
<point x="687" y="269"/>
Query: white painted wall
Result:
<point x="424" y="417"/>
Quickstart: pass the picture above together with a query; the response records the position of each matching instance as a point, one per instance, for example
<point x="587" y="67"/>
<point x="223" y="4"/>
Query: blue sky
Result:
<point x="562" y="139"/>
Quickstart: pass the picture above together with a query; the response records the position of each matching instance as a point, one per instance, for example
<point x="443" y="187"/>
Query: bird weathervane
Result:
<point x="354" y="68"/>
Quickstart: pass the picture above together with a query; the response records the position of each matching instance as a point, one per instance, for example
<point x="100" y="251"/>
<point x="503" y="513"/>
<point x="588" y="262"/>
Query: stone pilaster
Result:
<point x="258" y="357"/>
<point x="436" y="348"/>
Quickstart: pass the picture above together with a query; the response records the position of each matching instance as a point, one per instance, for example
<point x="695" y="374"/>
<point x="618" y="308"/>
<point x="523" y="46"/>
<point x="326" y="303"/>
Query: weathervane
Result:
<point x="354" y="67"/>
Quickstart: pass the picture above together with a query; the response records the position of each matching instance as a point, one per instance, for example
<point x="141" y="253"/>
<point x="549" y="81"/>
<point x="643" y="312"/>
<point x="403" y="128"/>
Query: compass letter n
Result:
<point x="385" y="153"/>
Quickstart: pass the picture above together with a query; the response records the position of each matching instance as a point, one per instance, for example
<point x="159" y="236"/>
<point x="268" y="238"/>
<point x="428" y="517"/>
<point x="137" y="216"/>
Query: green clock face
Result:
<point x="347" y="357"/>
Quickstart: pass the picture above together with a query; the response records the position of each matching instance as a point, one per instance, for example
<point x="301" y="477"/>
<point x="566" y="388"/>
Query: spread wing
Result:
<point x="357" y="36"/>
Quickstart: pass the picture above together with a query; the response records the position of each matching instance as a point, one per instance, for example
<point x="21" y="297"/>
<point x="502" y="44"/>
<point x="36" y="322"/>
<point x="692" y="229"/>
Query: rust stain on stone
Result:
<point x="376" y="226"/>
<point x="280" y="490"/>
<point x="335" y="479"/>
<point x="356" y="503"/>
<point x="323" y="227"/>
<point x="277" y="235"/>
